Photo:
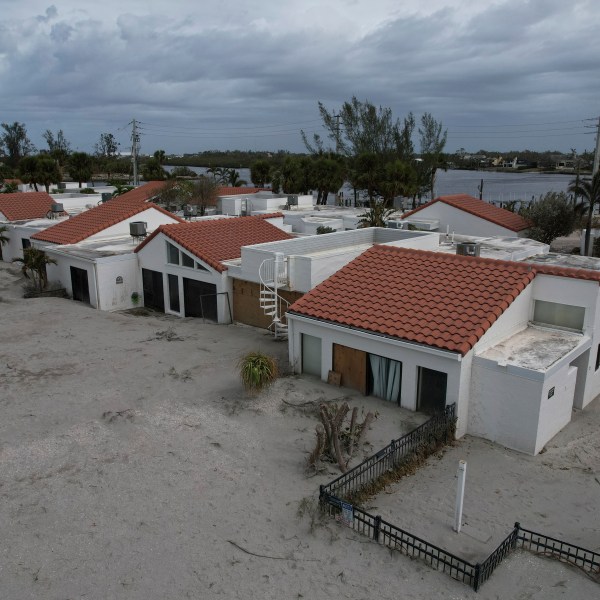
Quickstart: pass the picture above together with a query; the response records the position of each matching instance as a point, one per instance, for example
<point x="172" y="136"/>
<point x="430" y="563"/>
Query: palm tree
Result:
<point x="122" y="188"/>
<point x="34" y="266"/>
<point x="589" y="192"/>
<point x="47" y="172"/>
<point x="233" y="178"/>
<point x="375" y="216"/>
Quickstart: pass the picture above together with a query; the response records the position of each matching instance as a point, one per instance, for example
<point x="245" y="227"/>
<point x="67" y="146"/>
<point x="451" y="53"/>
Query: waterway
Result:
<point x="497" y="187"/>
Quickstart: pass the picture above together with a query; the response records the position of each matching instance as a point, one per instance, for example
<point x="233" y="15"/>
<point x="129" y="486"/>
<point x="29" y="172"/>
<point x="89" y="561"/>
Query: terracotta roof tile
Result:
<point x="143" y="193"/>
<point x="237" y="191"/>
<point x="480" y="209"/>
<point x="214" y="241"/>
<point x="442" y="300"/>
<point x="96" y="219"/>
<point x="25" y="205"/>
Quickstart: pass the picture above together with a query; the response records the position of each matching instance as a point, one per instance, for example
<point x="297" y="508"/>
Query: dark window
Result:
<point x="598" y="358"/>
<point x="174" y="293"/>
<point x="201" y="267"/>
<point x="172" y="254"/>
<point x="186" y="260"/>
<point x="26" y="243"/>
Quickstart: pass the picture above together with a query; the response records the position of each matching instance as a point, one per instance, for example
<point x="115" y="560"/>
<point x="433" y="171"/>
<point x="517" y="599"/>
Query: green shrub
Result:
<point x="257" y="371"/>
<point x="88" y="191"/>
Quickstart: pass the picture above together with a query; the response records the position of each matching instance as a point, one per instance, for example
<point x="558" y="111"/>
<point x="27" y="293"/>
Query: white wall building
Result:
<point x="515" y="345"/>
<point x="464" y="214"/>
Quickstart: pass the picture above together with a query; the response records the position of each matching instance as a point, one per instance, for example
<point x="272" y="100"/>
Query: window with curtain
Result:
<point x="386" y="377"/>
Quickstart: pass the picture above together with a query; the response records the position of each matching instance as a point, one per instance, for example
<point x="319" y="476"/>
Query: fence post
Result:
<point x="477" y="576"/>
<point x="516" y="534"/>
<point x="377" y="528"/>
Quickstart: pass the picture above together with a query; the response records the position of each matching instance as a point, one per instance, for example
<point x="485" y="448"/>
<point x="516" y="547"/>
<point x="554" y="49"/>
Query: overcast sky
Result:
<point x="503" y="74"/>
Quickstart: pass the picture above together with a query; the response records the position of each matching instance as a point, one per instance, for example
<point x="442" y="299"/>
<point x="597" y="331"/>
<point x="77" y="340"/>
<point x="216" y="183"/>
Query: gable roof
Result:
<point x="479" y="208"/>
<point x="25" y="205"/>
<point x="441" y="300"/>
<point x="96" y="219"/>
<point x="214" y="241"/>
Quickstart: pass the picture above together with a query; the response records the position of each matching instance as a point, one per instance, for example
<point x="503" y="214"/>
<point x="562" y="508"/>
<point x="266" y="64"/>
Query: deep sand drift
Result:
<point x="133" y="466"/>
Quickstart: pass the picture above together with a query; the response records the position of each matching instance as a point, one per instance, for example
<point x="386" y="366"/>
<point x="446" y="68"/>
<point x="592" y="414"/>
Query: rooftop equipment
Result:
<point x="106" y="196"/>
<point x="468" y="249"/>
<point x="138" y="230"/>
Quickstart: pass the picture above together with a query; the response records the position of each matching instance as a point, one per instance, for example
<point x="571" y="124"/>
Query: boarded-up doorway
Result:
<point x="351" y="364"/>
<point x="431" y="391"/>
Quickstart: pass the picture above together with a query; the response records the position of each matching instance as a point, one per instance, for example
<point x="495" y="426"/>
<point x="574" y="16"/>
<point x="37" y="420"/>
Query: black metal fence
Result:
<point x="586" y="560"/>
<point x="334" y="499"/>
<point x="396" y="538"/>
<point x="424" y="438"/>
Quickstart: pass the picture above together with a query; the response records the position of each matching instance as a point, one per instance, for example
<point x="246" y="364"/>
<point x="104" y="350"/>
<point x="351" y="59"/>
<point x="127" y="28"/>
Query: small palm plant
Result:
<point x="34" y="266"/>
<point x="257" y="371"/>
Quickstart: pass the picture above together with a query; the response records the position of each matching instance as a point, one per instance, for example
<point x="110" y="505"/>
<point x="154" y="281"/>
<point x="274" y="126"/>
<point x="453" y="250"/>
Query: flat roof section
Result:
<point x="534" y="348"/>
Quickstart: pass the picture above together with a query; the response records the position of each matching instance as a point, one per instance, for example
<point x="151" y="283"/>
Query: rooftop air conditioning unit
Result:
<point x="395" y="225"/>
<point x="468" y="249"/>
<point x="292" y="200"/>
<point x="138" y="229"/>
<point x="106" y="196"/>
<point x="57" y="207"/>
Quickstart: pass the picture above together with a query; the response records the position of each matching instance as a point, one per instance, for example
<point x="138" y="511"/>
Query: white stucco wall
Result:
<point x="510" y="405"/>
<point x="412" y="357"/>
<point x="459" y="221"/>
<point x="14" y="247"/>
<point x="61" y="272"/>
<point x="113" y="295"/>
<point x="577" y="292"/>
<point x="153" y="256"/>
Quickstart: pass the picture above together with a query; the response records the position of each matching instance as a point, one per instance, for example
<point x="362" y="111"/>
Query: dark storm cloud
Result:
<point x="509" y="62"/>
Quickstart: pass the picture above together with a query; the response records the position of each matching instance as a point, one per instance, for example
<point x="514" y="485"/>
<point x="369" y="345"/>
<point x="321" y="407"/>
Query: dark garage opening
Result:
<point x="80" y="285"/>
<point x="152" y="282"/>
<point x="431" y="391"/>
<point x="200" y="299"/>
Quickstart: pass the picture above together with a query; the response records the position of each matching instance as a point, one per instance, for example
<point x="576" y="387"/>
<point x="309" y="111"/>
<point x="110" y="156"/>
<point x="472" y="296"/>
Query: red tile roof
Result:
<point x="480" y="209"/>
<point x="25" y="205"/>
<point x="96" y="219"/>
<point x="216" y="240"/>
<point x="273" y="215"/>
<point x="237" y="191"/>
<point x="441" y="300"/>
<point x="143" y="193"/>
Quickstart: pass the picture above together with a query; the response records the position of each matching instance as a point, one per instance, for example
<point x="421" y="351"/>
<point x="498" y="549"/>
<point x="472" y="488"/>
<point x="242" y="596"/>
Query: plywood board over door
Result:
<point x="351" y="364"/>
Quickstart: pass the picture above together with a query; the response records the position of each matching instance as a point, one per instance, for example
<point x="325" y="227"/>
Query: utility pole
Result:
<point x="135" y="149"/>
<point x="597" y="155"/>
<point x="337" y="133"/>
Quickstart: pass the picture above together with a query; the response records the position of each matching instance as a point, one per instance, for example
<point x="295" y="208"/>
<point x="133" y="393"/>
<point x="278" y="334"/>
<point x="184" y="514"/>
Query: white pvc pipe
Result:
<point x="460" y="494"/>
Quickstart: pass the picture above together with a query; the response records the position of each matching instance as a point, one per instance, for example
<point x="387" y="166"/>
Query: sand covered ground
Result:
<point x="133" y="466"/>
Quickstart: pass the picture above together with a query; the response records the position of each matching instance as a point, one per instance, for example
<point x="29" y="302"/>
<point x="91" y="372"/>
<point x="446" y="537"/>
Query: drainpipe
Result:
<point x="95" y="265"/>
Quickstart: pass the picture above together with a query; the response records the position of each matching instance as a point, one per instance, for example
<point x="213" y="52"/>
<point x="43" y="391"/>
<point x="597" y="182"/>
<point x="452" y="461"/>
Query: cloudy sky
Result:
<point x="198" y="75"/>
